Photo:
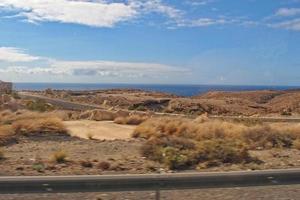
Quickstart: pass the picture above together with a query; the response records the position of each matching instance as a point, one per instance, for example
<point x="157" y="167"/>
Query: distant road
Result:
<point x="116" y="183"/>
<point x="77" y="106"/>
<point x="59" y="102"/>
<point x="81" y="107"/>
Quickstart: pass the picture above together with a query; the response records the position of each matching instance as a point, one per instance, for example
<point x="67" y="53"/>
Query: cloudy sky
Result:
<point x="249" y="42"/>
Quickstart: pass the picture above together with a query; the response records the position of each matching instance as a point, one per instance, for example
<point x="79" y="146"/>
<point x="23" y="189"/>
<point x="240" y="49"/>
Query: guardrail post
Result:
<point x="157" y="194"/>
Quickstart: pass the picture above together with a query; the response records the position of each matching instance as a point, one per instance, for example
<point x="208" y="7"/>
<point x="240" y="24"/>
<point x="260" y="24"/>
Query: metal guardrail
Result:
<point x="154" y="182"/>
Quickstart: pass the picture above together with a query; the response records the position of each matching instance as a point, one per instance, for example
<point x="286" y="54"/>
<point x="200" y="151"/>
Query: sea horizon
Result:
<point x="177" y="89"/>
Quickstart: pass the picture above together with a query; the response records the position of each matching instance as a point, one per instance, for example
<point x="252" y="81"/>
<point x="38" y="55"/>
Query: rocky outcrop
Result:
<point x="5" y="87"/>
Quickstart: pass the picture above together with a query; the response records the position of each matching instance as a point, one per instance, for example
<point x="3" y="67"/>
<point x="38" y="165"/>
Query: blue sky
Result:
<point x="249" y="42"/>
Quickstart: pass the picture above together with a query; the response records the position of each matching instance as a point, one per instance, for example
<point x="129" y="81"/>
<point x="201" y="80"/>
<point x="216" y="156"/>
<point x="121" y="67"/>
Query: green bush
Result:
<point x="179" y="153"/>
<point x="39" y="105"/>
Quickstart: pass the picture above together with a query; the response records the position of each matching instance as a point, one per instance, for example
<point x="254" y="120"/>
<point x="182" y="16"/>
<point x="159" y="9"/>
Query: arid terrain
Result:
<point x="126" y="136"/>
<point x="247" y="103"/>
<point x="136" y="132"/>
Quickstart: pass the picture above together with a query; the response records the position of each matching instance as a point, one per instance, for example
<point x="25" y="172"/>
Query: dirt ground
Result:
<point x="101" y="130"/>
<point x="33" y="155"/>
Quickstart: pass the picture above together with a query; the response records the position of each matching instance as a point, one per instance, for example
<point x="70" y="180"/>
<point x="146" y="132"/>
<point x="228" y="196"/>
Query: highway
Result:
<point x="149" y="182"/>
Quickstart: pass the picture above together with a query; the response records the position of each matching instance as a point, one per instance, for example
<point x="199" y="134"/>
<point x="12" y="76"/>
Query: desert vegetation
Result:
<point x="131" y="119"/>
<point x="39" y="105"/>
<point x="183" y="143"/>
<point x="59" y="156"/>
<point x="1" y="154"/>
<point x="26" y="123"/>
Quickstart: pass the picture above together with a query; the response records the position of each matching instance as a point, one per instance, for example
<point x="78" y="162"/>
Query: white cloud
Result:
<point x="91" y="13"/>
<point x="98" y="68"/>
<point x="97" y="13"/>
<point x="113" y="68"/>
<point x="178" y="17"/>
<point x="287" y="12"/>
<point x="293" y="24"/>
<point x="285" y="18"/>
<point x="10" y="54"/>
<point x="198" y="2"/>
<point x="157" y="6"/>
<point x="101" y="13"/>
<point x="48" y="66"/>
<point x="204" y="22"/>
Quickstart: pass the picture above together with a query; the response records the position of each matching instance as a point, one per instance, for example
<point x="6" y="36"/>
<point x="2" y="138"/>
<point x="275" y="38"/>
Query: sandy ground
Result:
<point x="100" y="130"/>
<point x="34" y="156"/>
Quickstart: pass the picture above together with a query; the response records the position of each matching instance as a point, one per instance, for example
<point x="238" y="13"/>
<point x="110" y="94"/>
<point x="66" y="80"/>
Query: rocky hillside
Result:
<point x="247" y="103"/>
<point x="257" y="102"/>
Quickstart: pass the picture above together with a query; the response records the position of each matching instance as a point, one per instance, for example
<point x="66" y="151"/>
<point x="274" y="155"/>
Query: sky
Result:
<point x="246" y="42"/>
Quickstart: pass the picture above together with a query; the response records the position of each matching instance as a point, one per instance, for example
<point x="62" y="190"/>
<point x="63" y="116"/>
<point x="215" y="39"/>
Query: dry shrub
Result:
<point x="27" y="123"/>
<point x="5" y="117"/>
<point x="202" y="118"/>
<point x="223" y="151"/>
<point x="104" y="165"/>
<point x="8" y="117"/>
<point x="296" y="144"/>
<point x="39" y="105"/>
<point x="39" y="126"/>
<point x="7" y="134"/>
<point x="264" y="135"/>
<point x="90" y="136"/>
<point x="182" y="143"/>
<point x="131" y="120"/>
<point x="86" y="163"/>
<point x="270" y="136"/>
<point x="59" y="156"/>
<point x="1" y="155"/>
<point x="180" y="153"/>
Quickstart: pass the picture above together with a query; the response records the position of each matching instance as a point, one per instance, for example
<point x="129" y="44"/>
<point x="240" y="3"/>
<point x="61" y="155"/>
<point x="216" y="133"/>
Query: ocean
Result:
<point x="182" y="90"/>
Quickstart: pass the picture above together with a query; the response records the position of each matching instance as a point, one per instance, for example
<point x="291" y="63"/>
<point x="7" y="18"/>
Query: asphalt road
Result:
<point x="290" y="192"/>
<point x="148" y="182"/>
<point x="59" y="102"/>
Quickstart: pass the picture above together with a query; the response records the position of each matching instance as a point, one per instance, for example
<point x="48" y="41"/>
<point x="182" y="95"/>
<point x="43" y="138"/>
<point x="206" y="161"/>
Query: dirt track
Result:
<point x="103" y="130"/>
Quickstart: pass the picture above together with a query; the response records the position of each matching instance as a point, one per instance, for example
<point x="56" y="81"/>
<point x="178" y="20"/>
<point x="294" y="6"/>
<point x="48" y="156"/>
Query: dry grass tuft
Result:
<point x="180" y="153"/>
<point x="26" y="123"/>
<point x="263" y="136"/>
<point x="182" y="143"/>
<point x="1" y="155"/>
<point x="39" y="105"/>
<point x="86" y="163"/>
<point x="59" y="156"/>
<point x="296" y="144"/>
<point x="39" y="126"/>
<point x="104" y="165"/>
<point x="131" y="120"/>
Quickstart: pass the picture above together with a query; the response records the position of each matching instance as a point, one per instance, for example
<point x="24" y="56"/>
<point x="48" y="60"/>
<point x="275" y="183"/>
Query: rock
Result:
<point x="49" y="91"/>
<point x="5" y="98"/>
<point x="98" y="115"/>
<point x="13" y="106"/>
<point x="122" y="113"/>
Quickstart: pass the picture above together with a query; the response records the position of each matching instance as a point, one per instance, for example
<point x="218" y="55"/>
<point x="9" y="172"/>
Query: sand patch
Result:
<point x="101" y="130"/>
